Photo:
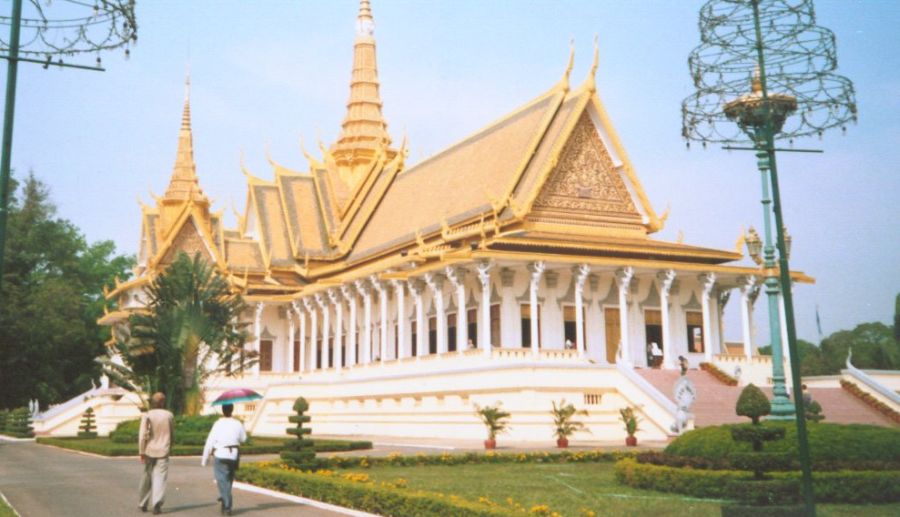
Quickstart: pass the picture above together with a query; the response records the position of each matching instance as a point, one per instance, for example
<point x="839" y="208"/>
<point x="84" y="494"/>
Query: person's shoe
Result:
<point x="157" y="509"/>
<point x="143" y="508"/>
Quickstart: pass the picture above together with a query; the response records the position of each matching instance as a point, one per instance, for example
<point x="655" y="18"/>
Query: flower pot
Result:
<point x="562" y="443"/>
<point x="490" y="444"/>
<point x="631" y="441"/>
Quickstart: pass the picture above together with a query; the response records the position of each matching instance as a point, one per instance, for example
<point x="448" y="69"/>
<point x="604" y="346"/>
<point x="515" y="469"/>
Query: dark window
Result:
<point x="451" y="332"/>
<point x="265" y="356"/>
<point x="432" y="335"/>
<point x="495" y="324"/>
<point x="414" y="338"/>
<point x="296" y="365"/>
<point x="526" y="325"/>
<point x="472" y="323"/>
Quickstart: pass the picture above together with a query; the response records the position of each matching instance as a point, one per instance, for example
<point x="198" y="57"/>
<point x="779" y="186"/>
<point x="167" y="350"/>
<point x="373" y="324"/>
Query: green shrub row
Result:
<point x="17" y="423"/>
<point x="257" y="445"/>
<point x="871" y="401"/>
<point x="671" y="460"/>
<point x="719" y="374"/>
<point x="828" y="443"/>
<point x="381" y="499"/>
<point x="189" y="427"/>
<point x="469" y="458"/>
<point x="783" y="487"/>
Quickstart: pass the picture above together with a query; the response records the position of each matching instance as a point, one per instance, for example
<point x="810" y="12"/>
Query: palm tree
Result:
<point x="563" y="423"/>
<point x="494" y="419"/>
<point x="187" y="333"/>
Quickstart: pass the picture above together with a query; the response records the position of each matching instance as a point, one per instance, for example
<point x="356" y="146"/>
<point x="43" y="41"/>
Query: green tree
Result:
<point x="873" y="344"/>
<point x="188" y="333"/>
<point x="50" y="300"/>
<point x="812" y="361"/>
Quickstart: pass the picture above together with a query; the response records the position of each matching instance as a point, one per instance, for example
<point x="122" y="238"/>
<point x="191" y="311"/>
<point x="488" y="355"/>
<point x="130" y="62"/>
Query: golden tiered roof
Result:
<point x="551" y="178"/>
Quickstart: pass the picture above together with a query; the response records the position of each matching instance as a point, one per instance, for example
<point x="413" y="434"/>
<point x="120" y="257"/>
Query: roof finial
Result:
<point x="568" y="72"/>
<point x="591" y="82"/>
<point x="186" y="112"/>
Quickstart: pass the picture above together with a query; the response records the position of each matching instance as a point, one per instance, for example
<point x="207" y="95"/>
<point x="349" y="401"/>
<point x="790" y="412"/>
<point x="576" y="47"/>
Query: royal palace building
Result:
<point x="516" y="266"/>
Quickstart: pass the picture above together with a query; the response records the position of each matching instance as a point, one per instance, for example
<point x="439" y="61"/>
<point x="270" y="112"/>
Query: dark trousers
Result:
<point x="223" y="470"/>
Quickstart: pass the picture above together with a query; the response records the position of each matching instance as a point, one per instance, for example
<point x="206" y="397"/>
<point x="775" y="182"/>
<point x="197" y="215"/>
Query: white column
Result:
<point x="785" y="351"/>
<point x="666" y="279"/>
<point x="536" y="269"/>
<point x="383" y="313"/>
<point x="400" y="295"/>
<point x="484" y="327"/>
<point x="580" y="274"/>
<point x="257" y="323"/>
<point x="302" y="338"/>
<point x="363" y="289"/>
<point x="290" y="346"/>
<point x="415" y="288"/>
<point x="708" y="283"/>
<point x="326" y="330"/>
<point x="335" y="296"/>
<point x="747" y="285"/>
<point x="436" y="284"/>
<point x="313" y="331"/>
<point x="623" y="281"/>
<point x="457" y="277"/>
<point x="352" y="328"/>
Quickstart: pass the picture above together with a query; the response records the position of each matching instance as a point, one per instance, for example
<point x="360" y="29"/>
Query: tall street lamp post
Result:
<point x="777" y="45"/>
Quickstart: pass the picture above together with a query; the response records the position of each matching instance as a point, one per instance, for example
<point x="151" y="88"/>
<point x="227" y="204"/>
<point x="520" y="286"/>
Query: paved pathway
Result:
<point x="42" y="481"/>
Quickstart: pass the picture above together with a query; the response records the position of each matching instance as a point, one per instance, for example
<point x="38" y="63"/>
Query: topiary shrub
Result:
<point x="18" y="423"/>
<point x="753" y="404"/>
<point x="87" y="428"/>
<point x="814" y="412"/>
<point x="300" y="453"/>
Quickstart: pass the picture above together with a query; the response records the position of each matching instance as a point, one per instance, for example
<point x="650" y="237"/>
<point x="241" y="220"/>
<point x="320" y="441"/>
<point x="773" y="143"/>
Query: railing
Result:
<point x="648" y="388"/>
<point x="871" y="383"/>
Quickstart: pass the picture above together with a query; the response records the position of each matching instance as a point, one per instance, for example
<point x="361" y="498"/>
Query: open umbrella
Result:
<point x="236" y="395"/>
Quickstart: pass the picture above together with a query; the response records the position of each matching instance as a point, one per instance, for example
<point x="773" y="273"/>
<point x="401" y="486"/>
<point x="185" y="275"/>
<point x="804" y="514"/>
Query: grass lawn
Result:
<point x="5" y="510"/>
<point x="568" y="488"/>
<point x="259" y="445"/>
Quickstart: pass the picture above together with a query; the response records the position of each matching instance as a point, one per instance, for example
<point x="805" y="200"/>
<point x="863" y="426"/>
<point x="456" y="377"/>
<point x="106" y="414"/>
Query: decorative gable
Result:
<point x="586" y="187"/>
<point x="189" y="240"/>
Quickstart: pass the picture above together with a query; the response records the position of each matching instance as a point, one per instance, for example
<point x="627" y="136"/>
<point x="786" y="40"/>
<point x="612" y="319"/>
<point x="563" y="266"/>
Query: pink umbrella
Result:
<point x="236" y="395"/>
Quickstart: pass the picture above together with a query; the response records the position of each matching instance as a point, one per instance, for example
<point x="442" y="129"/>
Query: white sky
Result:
<point x="266" y="74"/>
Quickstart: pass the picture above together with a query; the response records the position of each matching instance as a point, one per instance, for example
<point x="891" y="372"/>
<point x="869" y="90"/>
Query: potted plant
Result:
<point x="631" y="425"/>
<point x="496" y="421"/>
<point x="562" y="420"/>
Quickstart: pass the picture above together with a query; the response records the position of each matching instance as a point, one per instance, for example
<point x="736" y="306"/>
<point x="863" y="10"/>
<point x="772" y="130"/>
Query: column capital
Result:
<point x="363" y="287"/>
<point x="580" y="274"/>
<point x="320" y="301"/>
<point x="297" y="306"/>
<point x="708" y="282"/>
<point x="334" y="295"/>
<point x="347" y="291"/>
<point x="456" y="275"/>
<point x="377" y="283"/>
<point x="259" y="308"/>
<point x="747" y="283"/>
<point x="483" y="268"/>
<point x="435" y="281"/>
<point x="415" y="287"/>
<point x="624" y="277"/>
<point x="536" y="269"/>
<point x="399" y="285"/>
<point x="666" y="279"/>
<point x="308" y="303"/>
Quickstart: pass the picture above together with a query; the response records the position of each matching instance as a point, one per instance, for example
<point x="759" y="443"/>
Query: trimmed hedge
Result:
<point x="352" y="492"/>
<point x="257" y="445"/>
<point x="189" y="430"/>
<point x="829" y="487"/>
<point x="472" y="458"/>
<point x="717" y="372"/>
<point x="871" y="401"/>
<point x="696" y="462"/>
<point x="828" y="443"/>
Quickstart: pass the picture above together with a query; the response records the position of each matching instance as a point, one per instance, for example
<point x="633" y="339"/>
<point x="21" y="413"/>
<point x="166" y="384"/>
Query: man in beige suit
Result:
<point x="155" y="442"/>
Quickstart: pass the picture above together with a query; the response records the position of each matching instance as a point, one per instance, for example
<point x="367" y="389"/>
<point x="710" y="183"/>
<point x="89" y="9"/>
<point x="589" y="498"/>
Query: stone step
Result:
<point x="716" y="402"/>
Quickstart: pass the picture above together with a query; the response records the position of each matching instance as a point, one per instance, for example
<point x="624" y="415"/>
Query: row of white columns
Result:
<point x="366" y="289"/>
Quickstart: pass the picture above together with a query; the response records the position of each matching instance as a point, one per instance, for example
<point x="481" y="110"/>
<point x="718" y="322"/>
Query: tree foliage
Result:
<point x="188" y="333"/>
<point x="753" y="403"/>
<point x="50" y="300"/>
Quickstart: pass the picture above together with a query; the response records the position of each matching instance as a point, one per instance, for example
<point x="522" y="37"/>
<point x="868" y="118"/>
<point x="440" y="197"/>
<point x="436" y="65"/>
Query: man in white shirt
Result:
<point x="223" y="443"/>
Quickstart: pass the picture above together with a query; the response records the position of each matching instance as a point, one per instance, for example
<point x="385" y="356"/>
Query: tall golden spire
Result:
<point x="364" y="130"/>
<point x="184" y="184"/>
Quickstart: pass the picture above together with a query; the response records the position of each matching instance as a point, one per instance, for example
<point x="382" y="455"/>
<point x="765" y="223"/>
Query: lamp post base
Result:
<point x="782" y="409"/>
